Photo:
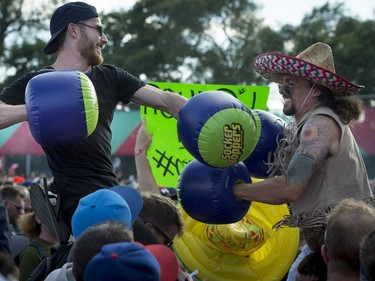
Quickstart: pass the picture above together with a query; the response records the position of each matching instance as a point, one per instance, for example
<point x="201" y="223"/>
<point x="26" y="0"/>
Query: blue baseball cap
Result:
<point x="126" y="261"/>
<point x="99" y="206"/>
<point x="131" y="196"/>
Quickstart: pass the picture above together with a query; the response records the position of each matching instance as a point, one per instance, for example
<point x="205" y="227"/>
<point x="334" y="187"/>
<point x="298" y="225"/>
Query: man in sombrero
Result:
<point x="318" y="162"/>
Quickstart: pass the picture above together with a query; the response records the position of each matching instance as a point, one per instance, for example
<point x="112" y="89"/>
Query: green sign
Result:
<point x="167" y="155"/>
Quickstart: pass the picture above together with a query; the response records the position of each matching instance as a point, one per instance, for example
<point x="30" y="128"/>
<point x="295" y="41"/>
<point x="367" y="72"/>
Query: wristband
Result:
<point x="139" y="151"/>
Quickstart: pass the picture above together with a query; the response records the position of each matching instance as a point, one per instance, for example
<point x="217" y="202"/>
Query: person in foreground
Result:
<point x="367" y="257"/>
<point x="317" y="163"/>
<point x="77" y="38"/>
<point x="347" y="226"/>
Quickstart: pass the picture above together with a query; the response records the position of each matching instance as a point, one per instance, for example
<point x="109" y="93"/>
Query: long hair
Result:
<point x="348" y="108"/>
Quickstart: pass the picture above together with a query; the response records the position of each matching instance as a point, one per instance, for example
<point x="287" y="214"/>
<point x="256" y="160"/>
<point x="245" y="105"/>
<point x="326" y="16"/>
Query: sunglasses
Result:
<point x="18" y="207"/>
<point x="99" y="29"/>
<point x="167" y="241"/>
<point x="286" y="87"/>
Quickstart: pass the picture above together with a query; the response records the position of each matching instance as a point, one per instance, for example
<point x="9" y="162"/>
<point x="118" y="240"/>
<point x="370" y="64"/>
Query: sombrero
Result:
<point x="314" y="64"/>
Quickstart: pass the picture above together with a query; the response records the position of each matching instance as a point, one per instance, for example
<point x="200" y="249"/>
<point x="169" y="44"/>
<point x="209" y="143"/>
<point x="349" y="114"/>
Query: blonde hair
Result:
<point x="28" y="225"/>
<point x="347" y="225"/>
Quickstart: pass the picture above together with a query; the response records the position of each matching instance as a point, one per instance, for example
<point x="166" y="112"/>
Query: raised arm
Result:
<point x="146" y="179"/>
<point x="158" y="99"/>
<point x="11" y="114"/>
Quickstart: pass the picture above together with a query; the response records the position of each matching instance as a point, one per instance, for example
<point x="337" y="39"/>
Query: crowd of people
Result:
<point x="116" y="232"/>
<point x="104" y="226"/>
<point x="143" y="222"/>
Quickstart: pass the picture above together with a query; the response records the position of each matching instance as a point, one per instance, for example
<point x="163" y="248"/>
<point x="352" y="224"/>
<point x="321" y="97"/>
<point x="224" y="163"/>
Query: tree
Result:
<point x="22" y="27"/>
<point x="194" y="41"/>
<point x="212" y="41"/>
<point x="351" y="40"/>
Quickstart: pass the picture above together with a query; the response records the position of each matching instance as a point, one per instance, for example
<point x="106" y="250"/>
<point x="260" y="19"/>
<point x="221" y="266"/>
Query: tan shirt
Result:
<point x="343" y="176"/>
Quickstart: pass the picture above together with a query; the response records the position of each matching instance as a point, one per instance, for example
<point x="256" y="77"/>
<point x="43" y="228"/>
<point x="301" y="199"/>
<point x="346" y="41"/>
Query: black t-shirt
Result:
<point x="81" y="168"/>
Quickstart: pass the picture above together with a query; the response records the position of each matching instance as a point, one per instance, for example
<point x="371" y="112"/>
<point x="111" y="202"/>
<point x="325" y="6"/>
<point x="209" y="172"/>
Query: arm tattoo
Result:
<point x="300" y="169"/>
<point x="312" y="151"/>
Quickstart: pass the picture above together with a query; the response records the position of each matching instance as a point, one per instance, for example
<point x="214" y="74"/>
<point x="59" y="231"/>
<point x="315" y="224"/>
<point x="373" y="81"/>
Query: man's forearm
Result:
<point x="11" y="114"/>
<point x="270" y="191"/>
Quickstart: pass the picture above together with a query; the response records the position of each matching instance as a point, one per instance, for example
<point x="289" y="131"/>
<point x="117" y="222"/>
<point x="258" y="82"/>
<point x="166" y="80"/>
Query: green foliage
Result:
<point x="188" y="41"/>
<point x="351" y="41"/>
<point x="22" y="28"/>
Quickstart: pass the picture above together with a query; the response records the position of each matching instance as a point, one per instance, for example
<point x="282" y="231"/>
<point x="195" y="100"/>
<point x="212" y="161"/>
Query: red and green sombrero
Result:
<point x="314" y="64"/>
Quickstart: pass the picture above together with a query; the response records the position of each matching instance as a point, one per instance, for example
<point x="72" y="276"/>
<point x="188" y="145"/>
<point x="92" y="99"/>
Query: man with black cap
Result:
<point x="77" y="36"/>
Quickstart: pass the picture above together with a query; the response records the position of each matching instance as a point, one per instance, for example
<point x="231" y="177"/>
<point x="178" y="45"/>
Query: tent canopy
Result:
<point x="17" y="139"/>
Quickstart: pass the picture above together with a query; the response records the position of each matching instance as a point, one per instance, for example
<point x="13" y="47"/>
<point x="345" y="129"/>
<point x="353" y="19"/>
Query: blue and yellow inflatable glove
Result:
<point x="206" y="192"/>
<point x="216" y="129"/>
<point x="62" y="107"/>
<point x="269" y="131"/>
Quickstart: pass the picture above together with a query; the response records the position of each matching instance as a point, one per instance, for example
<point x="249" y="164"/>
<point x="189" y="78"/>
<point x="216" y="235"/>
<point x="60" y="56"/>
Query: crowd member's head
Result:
<point x="312" y="268"/>
<point x="99" y="206"/>
<point x="93" y="239"/>
<point x="347" y="225"/>
<point x="162" y="216"/>
<point x="14" y="203"/>
<point x="8" y="269"/>
<point x="25" y="194"/>
<point x="367" y="257"/>
<point x="31" y="226"/>
<point x="133" y="261"/>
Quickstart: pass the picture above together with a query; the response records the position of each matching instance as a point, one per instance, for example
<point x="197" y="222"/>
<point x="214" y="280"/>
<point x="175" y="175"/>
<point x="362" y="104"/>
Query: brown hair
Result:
<point x="28" y="225"/>
<point x="90" y="242"/>
<point x="367" y="256"/>
<point x="161" y="211"/>
<point x="348" y="108"/>
<point x="347" y="225"/>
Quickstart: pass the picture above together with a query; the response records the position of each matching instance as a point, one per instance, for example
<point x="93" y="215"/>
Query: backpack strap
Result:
<point x="39" y="247"/>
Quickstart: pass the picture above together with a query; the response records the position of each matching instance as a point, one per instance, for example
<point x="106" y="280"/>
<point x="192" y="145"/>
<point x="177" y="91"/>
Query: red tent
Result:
<point x="19" y="142"/>
<point x="364" y="131"/>
<point x="17" y="139"/>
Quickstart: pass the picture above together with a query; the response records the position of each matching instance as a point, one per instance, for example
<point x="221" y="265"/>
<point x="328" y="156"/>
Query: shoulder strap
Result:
<point x="39" y="247"/>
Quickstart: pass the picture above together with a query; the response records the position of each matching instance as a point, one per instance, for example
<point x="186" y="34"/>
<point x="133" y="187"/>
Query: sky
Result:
<point x="275" y="12"/>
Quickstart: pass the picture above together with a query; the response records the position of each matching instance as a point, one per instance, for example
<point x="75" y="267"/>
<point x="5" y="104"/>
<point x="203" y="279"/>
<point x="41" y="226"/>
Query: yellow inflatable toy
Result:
<point x="246" y="250"/>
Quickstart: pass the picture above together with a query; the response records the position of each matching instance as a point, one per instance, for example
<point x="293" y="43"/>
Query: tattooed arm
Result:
<point x="319" y="139"/>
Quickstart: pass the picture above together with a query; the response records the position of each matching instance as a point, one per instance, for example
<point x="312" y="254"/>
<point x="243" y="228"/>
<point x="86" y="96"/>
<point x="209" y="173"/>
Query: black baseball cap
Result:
<point x="65" y="14"/>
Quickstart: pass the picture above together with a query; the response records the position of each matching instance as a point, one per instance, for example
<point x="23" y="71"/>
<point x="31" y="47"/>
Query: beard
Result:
<point x="88" y="51"/>
<point x="289" y="111"/>
<point x="289" y="108"/>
